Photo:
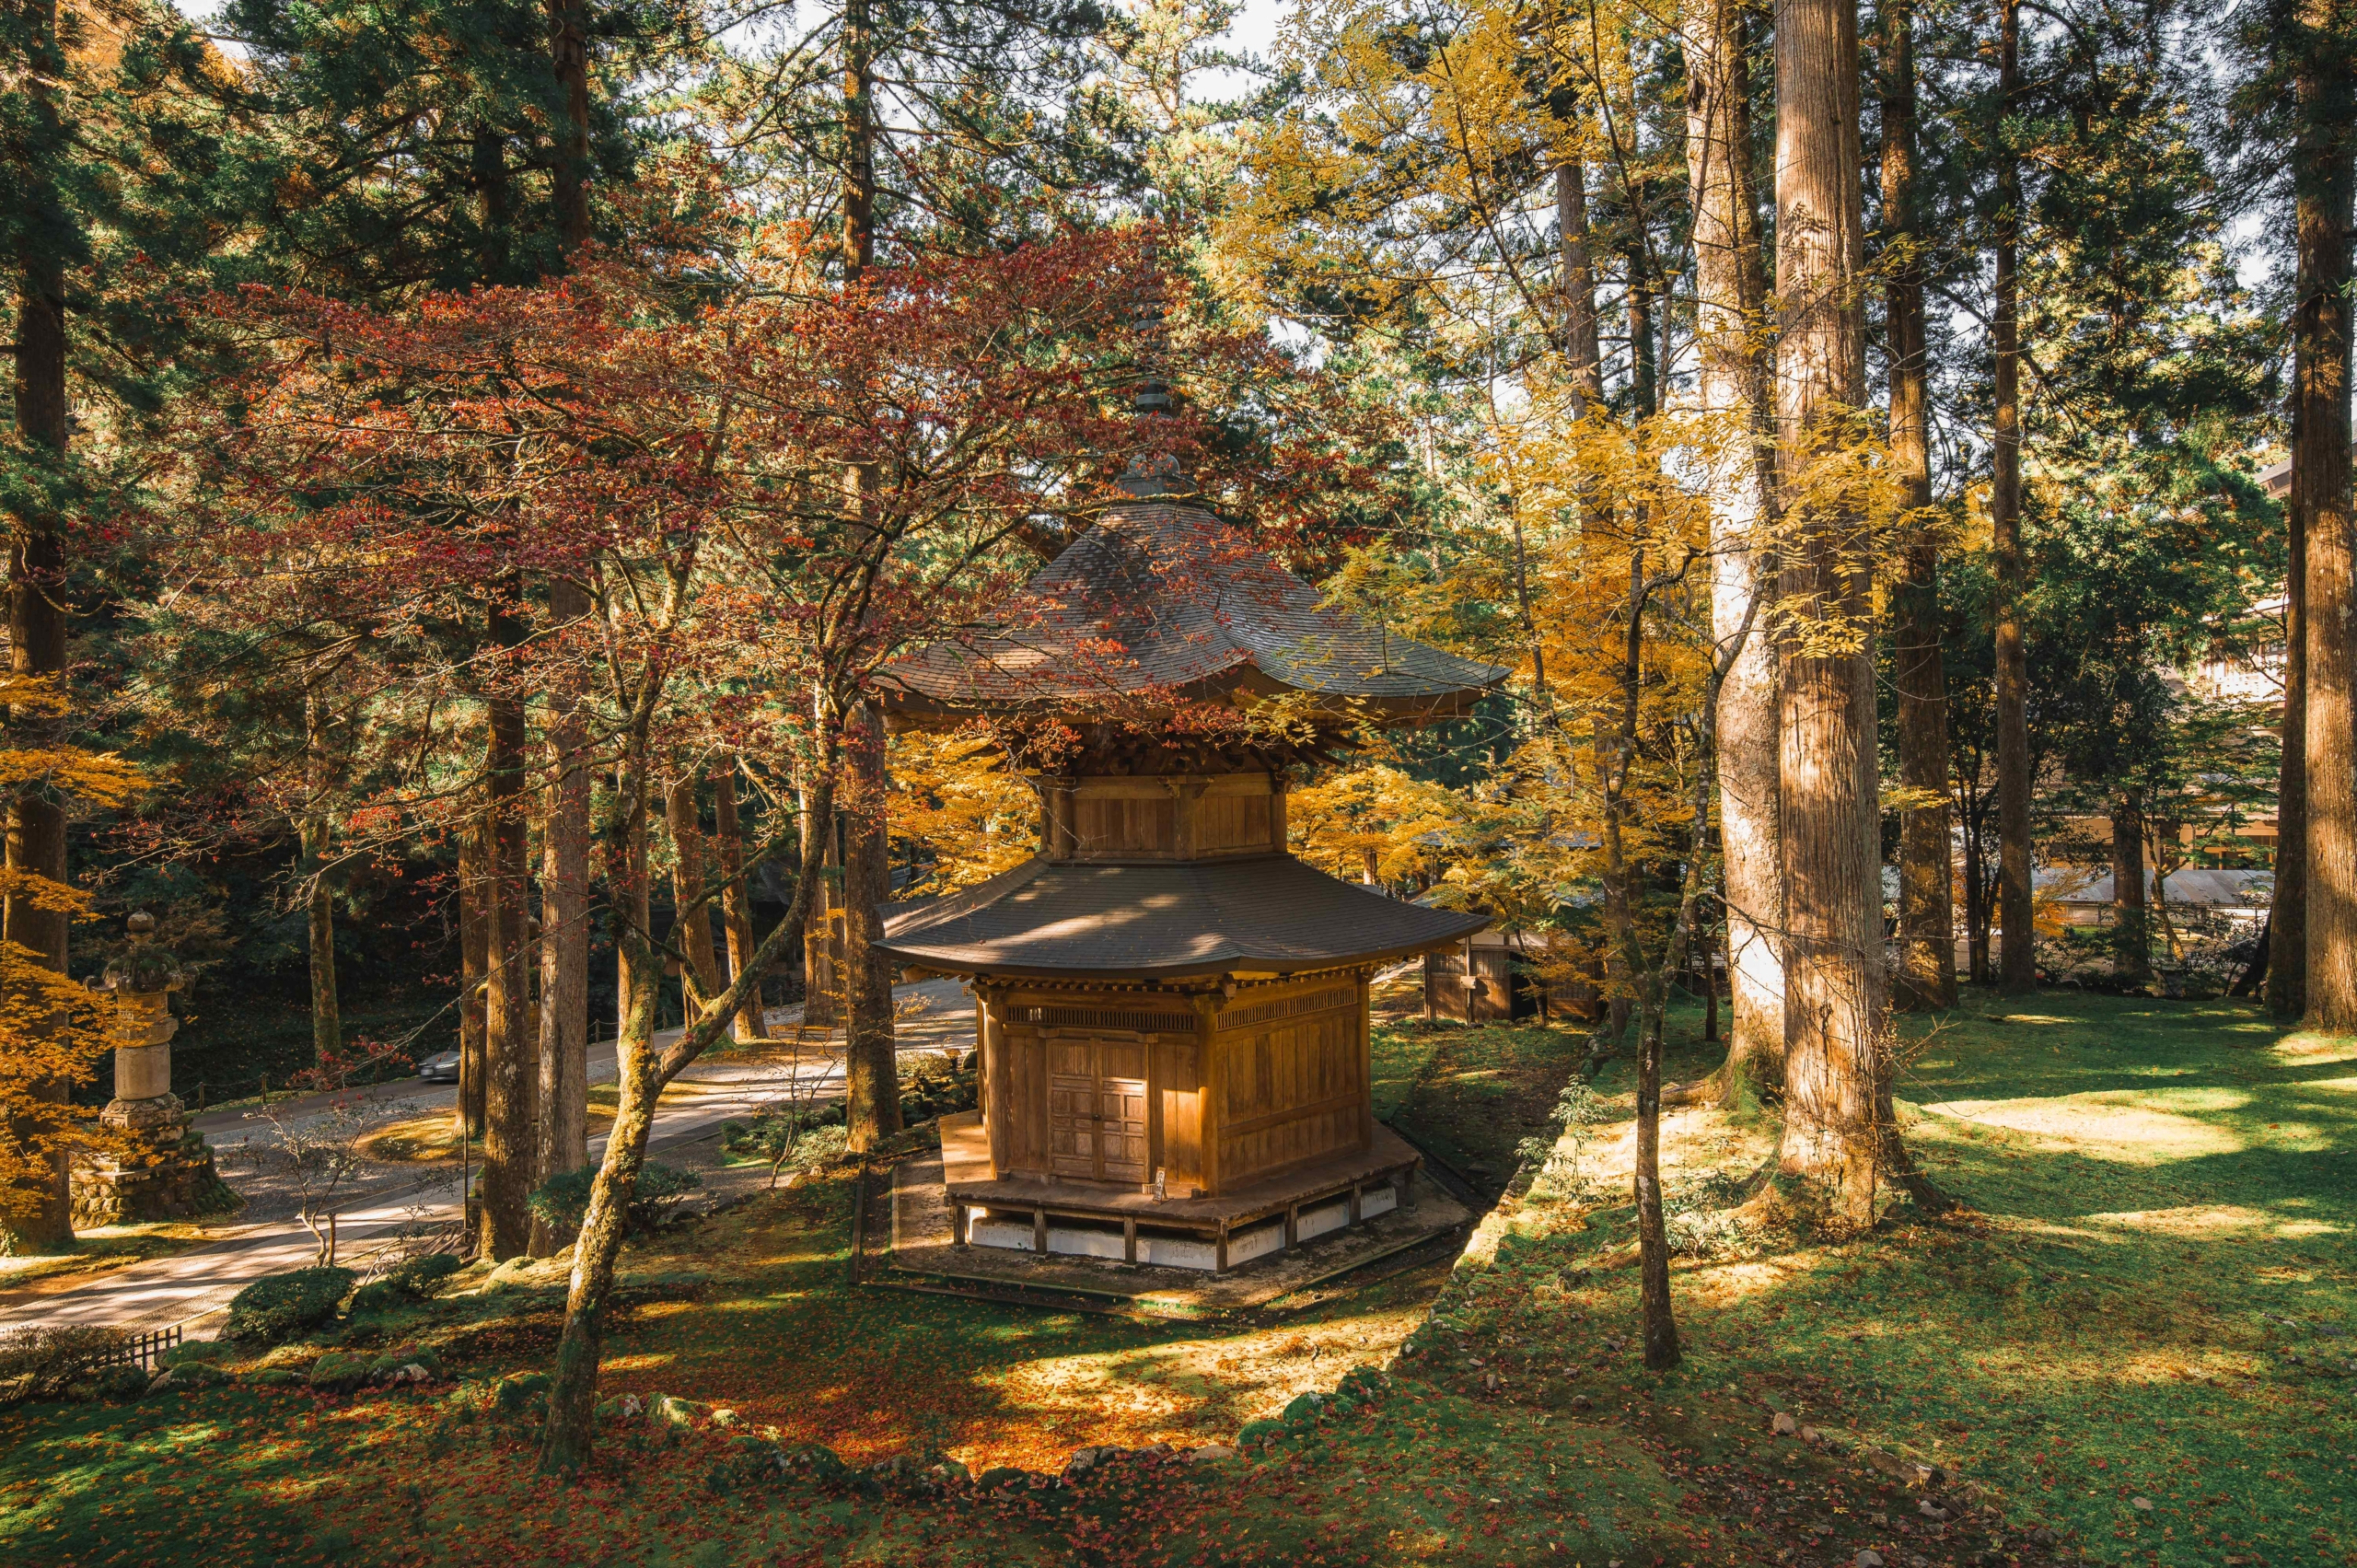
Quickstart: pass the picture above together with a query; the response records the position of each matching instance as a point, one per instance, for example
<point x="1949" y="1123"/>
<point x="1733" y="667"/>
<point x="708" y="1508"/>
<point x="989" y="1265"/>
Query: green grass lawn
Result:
<point x="2137" y="1305"/>
<point x="1471" y="1094"/>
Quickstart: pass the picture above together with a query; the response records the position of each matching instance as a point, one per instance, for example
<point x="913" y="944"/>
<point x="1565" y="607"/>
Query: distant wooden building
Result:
<point x="1495" y="977"/>
<point x="1173" y="1010"/>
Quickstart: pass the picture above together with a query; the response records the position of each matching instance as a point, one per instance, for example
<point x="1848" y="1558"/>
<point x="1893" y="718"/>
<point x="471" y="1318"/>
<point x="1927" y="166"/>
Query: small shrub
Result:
<point x="1698" y="1216"/>
<point x="562" y="1200"/>
<point x="421" y="1276"/>
<point x="339" y="1372"/>
<point x="121" y="1381"/>
<point x="798" y="1137"/>
<point x="42" y="1362"/>
<point x="279" y="1307"/>
<point x="937" y="1085"/>
<point x="193" y="1351"/>
<point x="378" y="1295"/>
<point x="522" y="1394"/>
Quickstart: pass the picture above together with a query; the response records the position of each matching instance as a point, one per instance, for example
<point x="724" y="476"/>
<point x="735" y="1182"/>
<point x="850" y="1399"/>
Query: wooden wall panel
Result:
<point x="1178" y="1071"/>
<point x="1227" y="824"/>
<point x="1125" y="825"/>
<point x="1295" y="1086"/>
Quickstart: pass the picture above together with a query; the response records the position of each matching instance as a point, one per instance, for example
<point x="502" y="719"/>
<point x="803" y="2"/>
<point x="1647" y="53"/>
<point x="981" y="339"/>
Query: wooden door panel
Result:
<point x="1071" y="1124"/>
<point x="1121" y="1134"/>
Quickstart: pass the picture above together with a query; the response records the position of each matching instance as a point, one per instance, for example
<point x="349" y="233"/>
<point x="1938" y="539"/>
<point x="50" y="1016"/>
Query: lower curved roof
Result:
<point x="1172" y="919"/>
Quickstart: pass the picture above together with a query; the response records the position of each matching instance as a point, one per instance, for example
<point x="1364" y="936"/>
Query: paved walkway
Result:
<point x="391" y="1200"/>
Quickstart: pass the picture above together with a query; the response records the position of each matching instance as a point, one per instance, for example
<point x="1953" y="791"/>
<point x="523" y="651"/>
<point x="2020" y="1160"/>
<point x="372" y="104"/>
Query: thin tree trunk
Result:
<point x="736" y="899"/>
<point x="2323" y="180"/>
<point x="2016" y="954"/>
<point x="318" y="899"/>
<point x="2287" y="920"/>
<point x="872" y="1091"/>
<point x="1834" y="999"/>
<point x="1926" y="976"/>
<point x="1728" y="381"/>
<point x="1975" y="900"/>
<point x="2132" y="958"/>
<point x="565" y="1439"/>
<point x="38" y="1221"/>
<point x="691" y="926"/>
<point x="511" y="1157"/>
<point x="474" y="968"/>
<point x="1658" y="1319"/>
<point x="1710" y="984"/>
<point x="563" y="1091"/>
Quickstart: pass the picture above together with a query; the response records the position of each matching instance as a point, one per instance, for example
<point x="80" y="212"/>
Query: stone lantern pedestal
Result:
<point x="165" y="1168"/>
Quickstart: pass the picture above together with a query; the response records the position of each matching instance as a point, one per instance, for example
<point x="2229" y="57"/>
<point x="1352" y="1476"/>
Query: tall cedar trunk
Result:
<point x="2016" y="953"/>
<point x="1728" y="382"/>
<point x="569" y="56"/>
<point x="511" y="1156"/>
<point x="42" y="1221"/>
<point x="2322" y="182"/>
<point x="327" y="1024"/>
<point x="1582" y="354"/>
<point x="737" y="898"/>
<point x="1833" y="978"/>
<point x="873" y="1090"/>
<point x="691" y="925"/>
<point x="562" y="1097"/>
<point x="859" y="141"/>
<point x="1926" y="976"/>
<point x="822" y="991"/>
<point x="490" y="171"/>
<point x="563" y="1091"/>
<point x="2287" y="919"/>
<point x="474" y="966"/>
<point x="2132" y="958"/>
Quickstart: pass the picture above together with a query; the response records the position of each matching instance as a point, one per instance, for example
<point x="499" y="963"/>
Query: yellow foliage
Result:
<point x="955" y="794"/>
<point x="52" y="1031"/>
<point x="1375" y="824"/>
<point x="53" y="1035"/>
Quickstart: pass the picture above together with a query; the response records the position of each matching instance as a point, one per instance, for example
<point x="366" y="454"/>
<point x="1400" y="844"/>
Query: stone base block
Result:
<point x="168" y="1174"/>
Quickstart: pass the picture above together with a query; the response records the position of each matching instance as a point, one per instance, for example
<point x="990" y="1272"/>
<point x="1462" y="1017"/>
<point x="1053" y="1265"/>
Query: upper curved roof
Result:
<point x="1163" y="597"/>
<point x="1169" y="920"/>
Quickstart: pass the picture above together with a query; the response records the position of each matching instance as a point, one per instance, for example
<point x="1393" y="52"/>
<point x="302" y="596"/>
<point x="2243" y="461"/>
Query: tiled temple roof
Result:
<point x="1268" y="914"/>
<point x="1163" y="597"/>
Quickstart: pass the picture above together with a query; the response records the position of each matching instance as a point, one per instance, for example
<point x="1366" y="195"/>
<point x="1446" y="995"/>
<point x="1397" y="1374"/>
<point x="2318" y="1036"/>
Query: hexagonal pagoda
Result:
<point x="1173" y="1010"/>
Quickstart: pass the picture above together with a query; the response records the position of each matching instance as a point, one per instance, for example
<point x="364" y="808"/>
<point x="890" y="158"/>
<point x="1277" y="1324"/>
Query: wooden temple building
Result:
<point x="1172" y="1010"/>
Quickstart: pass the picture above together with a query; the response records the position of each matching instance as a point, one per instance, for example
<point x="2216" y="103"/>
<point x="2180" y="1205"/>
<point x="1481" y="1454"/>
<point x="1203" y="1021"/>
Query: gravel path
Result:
<point x="391" y="1200"/>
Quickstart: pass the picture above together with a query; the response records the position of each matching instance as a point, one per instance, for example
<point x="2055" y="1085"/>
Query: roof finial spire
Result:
<point x="1153" y="395"/>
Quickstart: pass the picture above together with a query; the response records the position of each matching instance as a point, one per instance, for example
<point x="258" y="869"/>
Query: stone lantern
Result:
<point x="163" y="1169"/>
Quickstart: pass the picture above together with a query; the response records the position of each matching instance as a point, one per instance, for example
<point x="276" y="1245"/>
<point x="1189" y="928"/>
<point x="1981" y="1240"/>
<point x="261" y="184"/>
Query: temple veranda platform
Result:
<point x="1298" y="1230"/>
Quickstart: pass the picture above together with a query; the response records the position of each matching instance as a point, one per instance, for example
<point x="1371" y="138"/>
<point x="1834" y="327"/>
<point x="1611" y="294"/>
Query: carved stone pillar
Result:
<point x="164" y="1170"/>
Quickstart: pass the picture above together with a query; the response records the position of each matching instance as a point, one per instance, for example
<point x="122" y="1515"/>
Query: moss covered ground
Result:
<point x="2139" y="1303"/>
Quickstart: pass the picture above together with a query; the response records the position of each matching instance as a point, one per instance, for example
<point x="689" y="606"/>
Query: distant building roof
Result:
<point x="2193" y="885"/>
<point x="1163" y="597"/>
<point x="1269" y="913"/>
